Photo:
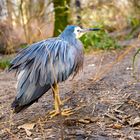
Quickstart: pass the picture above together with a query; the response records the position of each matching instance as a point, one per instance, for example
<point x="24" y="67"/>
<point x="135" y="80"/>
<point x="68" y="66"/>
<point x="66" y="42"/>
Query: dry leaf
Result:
<point x="84" y="121"/>
<point x="135" y="121"/>
<point x="29" y="133"/>
<point x="91" y="119"/>
<point x="27" y="127"/>
<point x="88" y="120"/>
<point x="117" y="126"/>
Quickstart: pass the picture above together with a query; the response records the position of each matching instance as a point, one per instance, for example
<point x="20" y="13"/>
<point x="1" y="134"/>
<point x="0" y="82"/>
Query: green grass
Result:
<point x="23" y="45"/>
<point x="4" y="63"/>
<point x="99" y="40"/>
<point x="134" y="24"/>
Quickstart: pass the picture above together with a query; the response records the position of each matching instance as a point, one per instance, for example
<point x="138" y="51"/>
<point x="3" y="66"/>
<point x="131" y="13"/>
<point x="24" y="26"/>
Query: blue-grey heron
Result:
<point x="44" y="64"/>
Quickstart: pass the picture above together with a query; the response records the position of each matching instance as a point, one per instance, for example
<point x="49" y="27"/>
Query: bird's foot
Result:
<point x="67" y="112"/>
<point x="54" y="113"/>
<point x="64" y="112"/>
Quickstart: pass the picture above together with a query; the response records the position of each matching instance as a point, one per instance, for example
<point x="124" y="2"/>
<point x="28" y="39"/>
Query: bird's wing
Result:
<point x="49" y="61"/>
<point x="41" y="65"/>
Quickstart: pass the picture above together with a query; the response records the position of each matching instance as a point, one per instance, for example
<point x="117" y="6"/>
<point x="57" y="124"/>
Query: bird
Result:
<point x="43" y="65"/>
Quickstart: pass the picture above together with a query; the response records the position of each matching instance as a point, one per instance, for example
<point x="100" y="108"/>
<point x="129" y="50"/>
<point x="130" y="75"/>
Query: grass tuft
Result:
<point x="99" y="40"/>
<point x="4" y="63"/>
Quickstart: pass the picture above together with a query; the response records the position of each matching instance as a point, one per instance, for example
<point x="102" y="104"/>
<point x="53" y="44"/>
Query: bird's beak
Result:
<point x="89" y="29"/>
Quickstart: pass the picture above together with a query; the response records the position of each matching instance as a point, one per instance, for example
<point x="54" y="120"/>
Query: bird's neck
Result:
<point x="69" y="38"/>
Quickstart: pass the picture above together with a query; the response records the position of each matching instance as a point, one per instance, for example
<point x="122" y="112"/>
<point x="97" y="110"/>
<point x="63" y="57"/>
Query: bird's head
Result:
<point x="72" y="30"/>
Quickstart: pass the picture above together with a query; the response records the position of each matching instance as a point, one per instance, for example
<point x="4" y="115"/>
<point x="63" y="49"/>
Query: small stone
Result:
<point x="80" y="132"/>
<point x="37" y="139"/>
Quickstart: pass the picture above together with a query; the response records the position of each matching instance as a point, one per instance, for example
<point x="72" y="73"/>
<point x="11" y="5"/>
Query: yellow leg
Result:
<point x="56" y="96"/>
<point x="58" y="103"/>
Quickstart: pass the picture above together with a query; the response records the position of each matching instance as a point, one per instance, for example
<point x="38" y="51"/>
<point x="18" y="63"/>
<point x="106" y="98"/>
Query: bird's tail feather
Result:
<point x="16" y="107"/>
<point x="27" y="92"/>
<point x="22" y="103"/>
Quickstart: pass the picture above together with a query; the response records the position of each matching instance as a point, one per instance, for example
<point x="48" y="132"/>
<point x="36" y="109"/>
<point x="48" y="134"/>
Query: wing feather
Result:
<point x="43" y="64"/>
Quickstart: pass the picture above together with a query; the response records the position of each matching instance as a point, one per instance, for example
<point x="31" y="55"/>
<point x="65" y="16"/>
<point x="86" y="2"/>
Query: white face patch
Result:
<point x="78" y="32"/>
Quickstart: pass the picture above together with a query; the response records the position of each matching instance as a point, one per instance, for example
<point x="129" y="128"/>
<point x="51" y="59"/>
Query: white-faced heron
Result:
<point x="44" y="64"/>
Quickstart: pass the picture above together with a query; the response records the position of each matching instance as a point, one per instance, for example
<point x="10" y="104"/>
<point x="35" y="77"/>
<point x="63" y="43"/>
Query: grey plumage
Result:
<point x="44" y="63"/>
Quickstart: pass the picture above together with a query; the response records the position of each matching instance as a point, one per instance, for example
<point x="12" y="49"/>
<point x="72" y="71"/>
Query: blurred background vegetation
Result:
<point x="24" y="22"/>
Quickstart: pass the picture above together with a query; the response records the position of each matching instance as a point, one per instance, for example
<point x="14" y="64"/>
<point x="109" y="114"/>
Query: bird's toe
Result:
<point x="63" y="112"/>
<point x="67" y="112"/>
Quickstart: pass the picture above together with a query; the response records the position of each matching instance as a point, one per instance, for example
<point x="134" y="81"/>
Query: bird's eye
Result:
<point x="78" y="30"/>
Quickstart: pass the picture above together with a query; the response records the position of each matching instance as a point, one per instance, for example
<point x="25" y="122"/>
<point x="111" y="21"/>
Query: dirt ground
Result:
<point x="104" y="96"/>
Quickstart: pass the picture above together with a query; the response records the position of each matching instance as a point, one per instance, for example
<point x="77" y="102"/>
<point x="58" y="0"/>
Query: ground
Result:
<point x="105" y="97"/>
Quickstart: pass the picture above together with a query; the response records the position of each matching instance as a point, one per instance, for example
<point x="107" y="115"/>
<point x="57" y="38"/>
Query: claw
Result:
<point x="64" y="112"/>
<point x="67" y="112"/>
<point x="54" y="113"/>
